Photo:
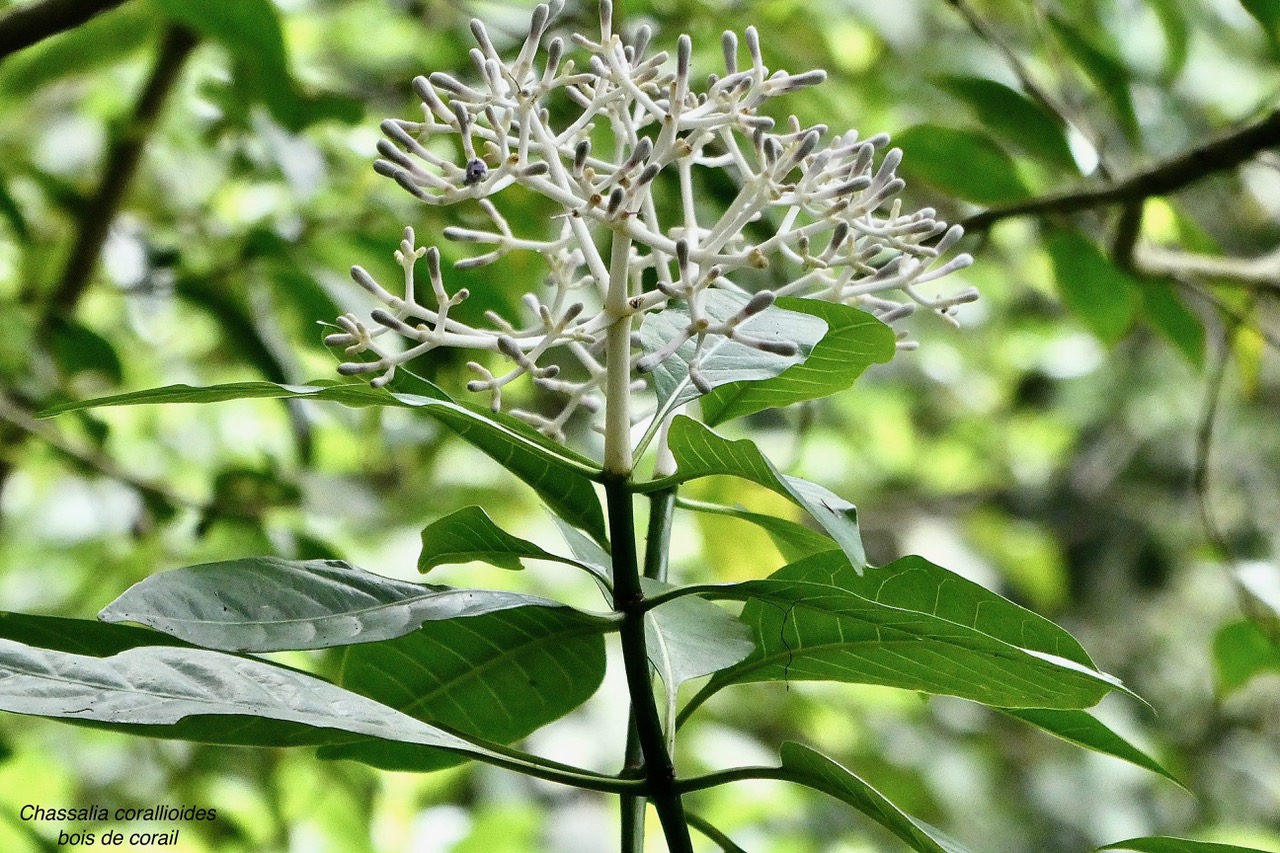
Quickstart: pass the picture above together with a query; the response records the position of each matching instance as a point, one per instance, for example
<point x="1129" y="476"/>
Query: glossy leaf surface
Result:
<point x="263" y="604"/>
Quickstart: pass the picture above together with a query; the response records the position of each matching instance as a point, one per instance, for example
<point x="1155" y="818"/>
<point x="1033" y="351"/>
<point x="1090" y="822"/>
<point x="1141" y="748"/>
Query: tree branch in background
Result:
<point x="33" y="23"/>
<point x="96" y="217"/>
<point x="1164" y="177"/>
<point x="1260" y="273"/>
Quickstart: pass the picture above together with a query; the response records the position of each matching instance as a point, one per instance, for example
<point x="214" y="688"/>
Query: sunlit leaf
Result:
<point x="907" y="626"/>
<point x="699" y="452"/>
<point x="497" y="677"/>
<point x="263" y="604"/>
<point x="854" y="340"/>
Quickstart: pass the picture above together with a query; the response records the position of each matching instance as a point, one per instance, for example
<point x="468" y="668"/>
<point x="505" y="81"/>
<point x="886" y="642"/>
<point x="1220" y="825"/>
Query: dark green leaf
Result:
<point x="497" y="676"/>
<point x="813" y="769"/>
<point x="1267" y="14"/>
<point x="1104" y="68"/>
<point x="1168" y="844"/>
<point x="723" y="360"/>
<point x="699" y="452"/>
<point x="1171" y="318"/>
<point x="78" y="636"/>
<point x="963" y="163"/>
<point x="853" y="342"/>
<point x="562" y="478"/>
<point x="1013" y="117"/>
<point x="101" y="41"/>
<point x="79" y="349"/>
<point x="265" y="604"/>
<point x="471" y="535"/>
<point x="161" y="686"/>
<point x="1242" y="650"/>
<point x="588" y="554"/>
<point x="1084" y="729"/>
<point x="1101" y="295"/>
<point x="904" y="625"/>
<point x="12" y="214"/>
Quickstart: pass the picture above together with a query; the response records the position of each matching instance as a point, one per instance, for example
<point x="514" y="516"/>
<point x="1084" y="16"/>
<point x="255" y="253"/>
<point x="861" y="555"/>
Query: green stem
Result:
<point x="628" y="599"/>
<point x="656" y="549"/>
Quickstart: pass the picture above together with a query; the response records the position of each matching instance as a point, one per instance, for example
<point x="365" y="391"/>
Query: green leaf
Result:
<point x="963" y="163"/>
<point x="1170" y="317"/>
<point x="12" y="214"/>
<point x="562" y="478"/>
<point x="78" y="636"/>
<point x="1242" y="650"/>
<point x="212" y="692"/>
<point x="588" y="554"/>
<point x="794" y="541"/>
<point x="854" y="341"/>
<point x="251" y="31"/>
<point x="1103" y="67"/>
<point x="101" y="41"/>
<point x="723" y="360"/>
<point x="699" y="452"/>
<point x="689" y="637"/>
<point x="1084" y="729"/>
<point x="1101" y="295"/>
<point x="814" y="770"/>
<point x="910" y="625"/>
<point x="266" y="604"/>
<point x="1013" y="117"/>
<point x="1177" y="35"/>
<point x="497" y="676"/>
<point x="1267" y="14"/>
<point x="1169" y="844"/>
<point x="471" y="535"/>
<point x="79" y="349"/>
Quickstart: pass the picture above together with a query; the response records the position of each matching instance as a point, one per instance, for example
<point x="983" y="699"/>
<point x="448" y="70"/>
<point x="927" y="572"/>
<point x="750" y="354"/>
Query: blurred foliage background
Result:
<point x="183" y="186"/>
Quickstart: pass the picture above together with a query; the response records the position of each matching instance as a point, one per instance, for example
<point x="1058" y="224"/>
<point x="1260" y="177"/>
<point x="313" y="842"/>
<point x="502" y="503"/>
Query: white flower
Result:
<point x="830" y="212"/>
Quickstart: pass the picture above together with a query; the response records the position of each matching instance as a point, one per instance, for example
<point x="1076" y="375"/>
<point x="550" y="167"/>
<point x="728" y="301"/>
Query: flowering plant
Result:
<point x="650" y="294"/>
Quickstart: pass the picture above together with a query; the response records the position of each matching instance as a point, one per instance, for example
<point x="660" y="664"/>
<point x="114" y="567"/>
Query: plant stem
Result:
<point x="656" y="549"/>
<point x="628" y="599"/>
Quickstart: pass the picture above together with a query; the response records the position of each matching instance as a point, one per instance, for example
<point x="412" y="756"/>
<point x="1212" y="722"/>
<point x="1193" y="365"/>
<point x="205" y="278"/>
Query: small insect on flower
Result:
<point x="475" y="172"/>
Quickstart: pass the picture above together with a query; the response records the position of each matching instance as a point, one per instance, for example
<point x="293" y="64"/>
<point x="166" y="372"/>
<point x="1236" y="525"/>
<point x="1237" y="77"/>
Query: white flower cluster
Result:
<point x="830" y="212"/>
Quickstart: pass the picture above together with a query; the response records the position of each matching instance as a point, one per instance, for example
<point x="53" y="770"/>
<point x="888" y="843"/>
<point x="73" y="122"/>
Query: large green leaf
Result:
<point x="1093" y="288"/>
<point x="266" y="604"/>
<point x="471" y="535"/>
<point x="163" y="686"/>
<point x="853" y="342"/>
<point x="78" y="636"/>
<point x="906" y="626"/>
<point x="700" y="452"/>
<point x="562" y="478"/>
<point x="1169" y="844"/>
<point x="1084" y="729"/>
<point x="723" y="360"/>
<point x="1013" y="117"/>
<point x="497" y="676"/>
<point x="100" y="41"/>
<point x="813" y="769"/>
<point x="963" y="163"/>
